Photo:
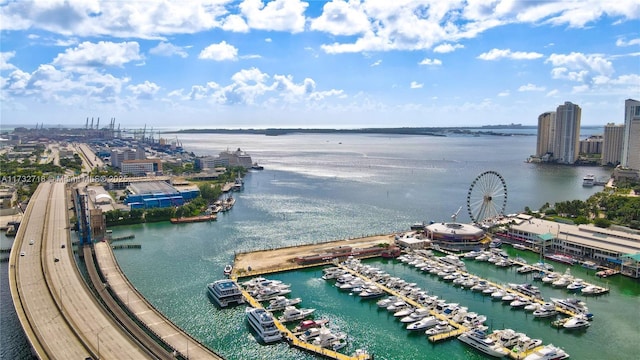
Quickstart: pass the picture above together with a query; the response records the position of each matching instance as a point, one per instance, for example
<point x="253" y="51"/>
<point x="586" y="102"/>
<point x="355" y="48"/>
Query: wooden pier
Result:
<point x="292" y="340"/>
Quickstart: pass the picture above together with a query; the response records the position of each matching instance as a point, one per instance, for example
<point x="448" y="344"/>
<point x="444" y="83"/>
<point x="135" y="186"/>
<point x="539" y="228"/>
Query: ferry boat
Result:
<point x="225" y="292"/>
<point x="478" y="340"/>
<point x="262" y="322"/>
<point x="589" y="180"/>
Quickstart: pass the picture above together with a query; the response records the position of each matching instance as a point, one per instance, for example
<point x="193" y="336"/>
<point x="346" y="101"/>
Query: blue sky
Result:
<point x="293" y="63"/>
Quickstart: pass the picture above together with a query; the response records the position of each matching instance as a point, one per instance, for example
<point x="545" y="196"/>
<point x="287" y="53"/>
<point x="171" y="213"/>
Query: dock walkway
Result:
<point x="294" y="341"/>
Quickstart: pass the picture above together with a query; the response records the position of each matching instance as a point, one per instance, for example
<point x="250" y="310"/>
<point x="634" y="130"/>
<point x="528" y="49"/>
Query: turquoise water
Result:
<point x="325" y="187"/>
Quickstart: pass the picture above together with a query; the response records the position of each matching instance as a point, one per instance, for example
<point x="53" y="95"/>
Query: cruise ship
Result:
<point x="225" y="292"/>
<point x="262" y="322"/>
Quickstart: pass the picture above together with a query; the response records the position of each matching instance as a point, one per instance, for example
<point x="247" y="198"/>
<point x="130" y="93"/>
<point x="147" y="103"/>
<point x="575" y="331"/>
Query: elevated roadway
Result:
<point x="59" y="314"/>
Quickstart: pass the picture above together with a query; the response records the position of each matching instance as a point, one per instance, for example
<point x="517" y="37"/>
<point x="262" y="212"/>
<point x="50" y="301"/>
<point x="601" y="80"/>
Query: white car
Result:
<point x="23" y="253"/>
<point x="31" y="242"/>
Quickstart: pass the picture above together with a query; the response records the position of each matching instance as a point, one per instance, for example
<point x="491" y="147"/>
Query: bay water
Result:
<point x="316" y="188"/>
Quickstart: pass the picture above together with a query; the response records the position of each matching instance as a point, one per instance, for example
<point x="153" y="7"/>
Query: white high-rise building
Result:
<point x="546" y="133"/>
<point x="631" y="145"/>
<point x="567" y="136"/>
<point x="612" y="144"/>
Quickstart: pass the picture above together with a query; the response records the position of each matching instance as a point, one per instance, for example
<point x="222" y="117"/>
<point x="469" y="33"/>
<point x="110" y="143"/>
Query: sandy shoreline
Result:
<point x="265" y="261"/>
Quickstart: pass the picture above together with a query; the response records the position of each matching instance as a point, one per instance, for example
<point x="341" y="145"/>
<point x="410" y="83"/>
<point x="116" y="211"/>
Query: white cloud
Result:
<point x="219" y="52"/>
<point x="276" y="15"/>
<point x="447" y="48"/>
<point x="531" y="87"/>
<point x="504" y="93"/>
<point x="415" y="85"/>
<point x="235" y="23"/>
<point x="4" y="60"/>
<point x="623" y="42"/>
<point x="268" y="40"/>
<point x="133" y="19"/>
<point x="341" y="18"/>
<point x="101" y="54"/>
<point x="552" y="93"/>
<point x="495" y="54"/>
<point x="579" y="67"/>
<point x="168" y="49"/>
<point x="378" y="62"/>
<point x="430" y="62"/>
<point x="144" y="91"/>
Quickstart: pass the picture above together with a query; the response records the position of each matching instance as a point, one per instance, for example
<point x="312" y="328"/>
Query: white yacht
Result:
<point x="292" y="313"/>
<point x="589" y="180"/>
<point x="574" y="305"/>
<point x="478" y="340"/>
<point x="440" y="328"/>
<point x="548" y="352"/>
<point x="281" y="302"/>
<point x="576" y="285"/>
<point x="546" y="310"/>
<point x="519" y="302"/>
<point x="423" y="324"/>
<point x="225" y="292"/>
<point x="415" y="316"/>
<point x="576" y="322"/>
<point x="262" y="322"/>
<point x="386" y="301"/>
<point x="507" y="337"/>
<point x="330" y="340"/>
<point x="310" y="334"/>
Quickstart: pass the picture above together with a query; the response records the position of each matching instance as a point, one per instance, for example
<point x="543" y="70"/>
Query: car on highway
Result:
<point x="23" y="253"/>
<point x="31" y="242"/>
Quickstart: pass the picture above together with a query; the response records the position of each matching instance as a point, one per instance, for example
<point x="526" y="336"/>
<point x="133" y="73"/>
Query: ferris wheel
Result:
<point x="487" y="197"/>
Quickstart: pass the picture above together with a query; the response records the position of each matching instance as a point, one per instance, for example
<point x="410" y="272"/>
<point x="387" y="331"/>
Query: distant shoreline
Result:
<point x="421" y="131"/>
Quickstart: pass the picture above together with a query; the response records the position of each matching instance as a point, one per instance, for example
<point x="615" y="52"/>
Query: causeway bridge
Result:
<point x="66" y="317"/>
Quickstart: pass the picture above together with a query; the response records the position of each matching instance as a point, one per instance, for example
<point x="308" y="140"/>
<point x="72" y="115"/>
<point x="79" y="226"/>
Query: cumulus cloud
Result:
<point x="235" y="23"/>
<point x="134" y="19"/>
<point x="415" y="85"/>
<point x="378" y="62"/>
<point x="219" y="52"/>
<point x="496" y="54"/>
<point x="579" y="67"/>
<point x="5" y="57"/>
<point x="531" y="87"/>
<point x="101" y="54"/>
<point x="277" y="15"/>
<point x="144" y="91"/>
<point x="430" y="62"/>
<point x="168" y="49"/>
<point x="341" y="18"/>
<point x="447" y="48"/>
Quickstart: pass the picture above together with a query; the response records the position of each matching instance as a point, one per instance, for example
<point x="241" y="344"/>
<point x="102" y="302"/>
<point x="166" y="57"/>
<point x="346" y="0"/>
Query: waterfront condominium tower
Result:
<point x="546" y="133"/>
<point x="567" y="137"/>
<point x="631" y="144"/>
<point x="612" y="144"/>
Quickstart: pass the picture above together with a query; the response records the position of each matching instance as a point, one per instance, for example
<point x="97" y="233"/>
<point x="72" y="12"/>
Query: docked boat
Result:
<point x="593" y="290"/>
<point x="415" y="316"/>
<point x="519" y="303"/>
<point x="309" y="324"/>
<point x="576" y="285"/>
<point x="227" y="270"/>
<point x="292" y="313"/>
<point x="589" y="180"/>
<point x="507" y="337"/>
<point x="281" y="302"/>
<point x="269" y="293"/>
<point x="440" y="328"/>
<point x="225" y="292"/>
<point x="561" y="258"/>
<point x="371" y="292"/>
<point x="574" y="305"/>
<point x="478" y="340"/>
<point x="262" y="322"/>
<point x="310" y="334"/>
<point x="548" y="352"/>
<point x="590" y="265"/>
<point x="423" y="324"/>
<point x="529" y="290"/>
<point x="546" y="310"/>
<point x="520" y="246"/>
<point x="576" y="322"/>
<point x="330" y="340"/>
